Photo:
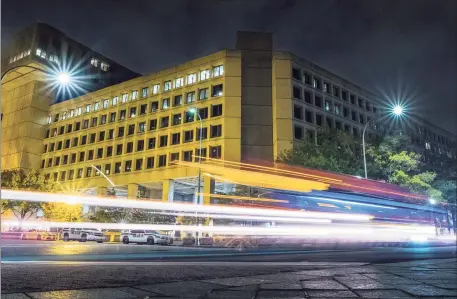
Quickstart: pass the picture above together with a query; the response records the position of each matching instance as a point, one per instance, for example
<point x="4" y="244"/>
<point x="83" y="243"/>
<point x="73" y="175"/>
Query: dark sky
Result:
<point x="403" y="49"/>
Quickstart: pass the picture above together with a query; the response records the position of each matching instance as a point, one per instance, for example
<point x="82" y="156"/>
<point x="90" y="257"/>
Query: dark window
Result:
<point x="154" y="106"/>
<point x="119" y="149"/>
<point x="65" y="160"/>
<point x="344" y="95"/>
<point x="174" y="157"/>
<point x="203" y="113"/>
<point x="139" y="164"/>
<point x="101" y="136"/>
<point x="81" y="156"/>
<point x="140" y="145"/>
<point x="150" y="162"/>
<point x="57" y="161"/>
<point x="360" y="103"/>
<point x="92" y="137"/>
<point x="308" y="116"/>
<point x="362" y="119"/>
<point x="354" y="115"/>
<point x="336" y="91"/>
<point x="217" y="90"/>
<point x="51" y="147"/>
<point x="45" y="148"/>
<point x="187" y="156"/>
<point x="177" y="101"/>
<point x="308" y="97"/>
<point x="69" y="128"/>
<point x="298" y="132"/>
<point x="152" y="124"/>
<point x="143" y="109"/>
<point x="129" y="147"/>
<point x="164" y="122"/>
<point x="296" y="92"/>
<point x="296" y="74"/>
<point x="103" y="119"/>
<point x="355" y="131"/>
<point x="107" y="169"/>
<point x="338" y="125"/>
<point x="216" y="110"/>
<point x="329" y="122"/>
<point x="128" y="166"/>
<point x="47" y="133"/>
<point x="307" y="78"/>
<point x="73" y="158"/>
<point x="204" y="133"/>
<point x="109" y="151"/>
<point x="347" y="128"/>
<point x="117" y="167"/>
<point x="298" y="112"/>
<point x="310" y="135"/>
<point x="162" y="161"/>
<point x="90" y="155"/>
<point x="216" y="131"/>
<point x="62" y="129"/>
<point x="67" y="143"/>
<point x="59" y="145"/>
<point x="93" y="122"/>
<point x="317" y="83"/>
<point x="215" y="152"/>
<point x="151" y="143"/>
<point x="188" y="136"/>
<point x="203" y="94"/>
<point x="85" y="124"/>
<point x="120" y="132"/>
<point x="110" y="133"/>
<point x="345" y="111"/>
<point x="318" y="101"/>
<point x="163" y="141"/>
<point x="318" y="119"/>
<point x="131" y="130"/>
<point x="175" y="138"/>
<point x="71" y="174"/>
<point x="112" y="117"/>
<point x="49" y="162"/>
<point x="122" y="114"/>
<point x="176" y="119"/>
<point x="99" y="153"/>
<point x="352" y="99"/>
<point x="77" y="126"/>
<point x="200" y="154"/>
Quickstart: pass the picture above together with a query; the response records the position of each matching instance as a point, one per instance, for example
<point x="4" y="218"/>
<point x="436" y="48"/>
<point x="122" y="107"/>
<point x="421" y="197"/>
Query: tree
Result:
<point x="55" y="211"/>
<point x="29" y="181"/>
<point x="334" y="151"/>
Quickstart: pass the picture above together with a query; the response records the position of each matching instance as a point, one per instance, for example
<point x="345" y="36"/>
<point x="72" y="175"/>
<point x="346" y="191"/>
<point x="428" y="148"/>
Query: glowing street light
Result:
<point x="63" y="78"/>
<point x="398" y="110"/>
<point x="432" y="201"/>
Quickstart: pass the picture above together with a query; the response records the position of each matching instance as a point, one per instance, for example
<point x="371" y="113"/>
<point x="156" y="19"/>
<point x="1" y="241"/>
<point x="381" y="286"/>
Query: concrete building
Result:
<point x="251" y="102"/>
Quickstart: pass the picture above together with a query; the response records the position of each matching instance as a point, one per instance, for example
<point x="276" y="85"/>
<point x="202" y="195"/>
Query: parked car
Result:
<point x="34" y="234"/>
<point x="141" y="236"/>
<point x="82" y="235"/>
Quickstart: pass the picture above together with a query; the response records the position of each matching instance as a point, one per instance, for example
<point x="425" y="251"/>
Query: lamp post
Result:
<point x="432" y="204"/>
<point x="397" y="111"/>
<point x="194" y="110"/>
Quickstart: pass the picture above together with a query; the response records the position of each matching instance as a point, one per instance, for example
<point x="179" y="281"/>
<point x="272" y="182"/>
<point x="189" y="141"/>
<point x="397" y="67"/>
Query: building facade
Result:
<point x="249" y="103"/>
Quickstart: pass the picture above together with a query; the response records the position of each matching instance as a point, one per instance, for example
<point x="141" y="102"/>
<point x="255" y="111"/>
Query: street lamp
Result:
<point x="194" y="111"/>
<point x="432" y="202"/>
<point x="397" y="110"/>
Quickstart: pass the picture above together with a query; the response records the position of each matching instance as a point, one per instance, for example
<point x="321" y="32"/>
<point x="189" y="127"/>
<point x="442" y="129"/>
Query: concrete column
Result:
<point x="101" y="191"/>
<point x="196" y="197"/>
<point x="208" y="188"/>
<point x="168" y="190"/>
<point x="132" y="191"/>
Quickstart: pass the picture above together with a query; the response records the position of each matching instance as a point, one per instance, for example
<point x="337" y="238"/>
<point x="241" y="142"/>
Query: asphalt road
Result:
<point x="34" y="265"/>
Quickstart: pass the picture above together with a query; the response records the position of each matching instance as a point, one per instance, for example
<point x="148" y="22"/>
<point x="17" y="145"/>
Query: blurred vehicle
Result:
<point x="141" y="236"/>
<point x="34" y="234"/>
<point x="82" y="235"/>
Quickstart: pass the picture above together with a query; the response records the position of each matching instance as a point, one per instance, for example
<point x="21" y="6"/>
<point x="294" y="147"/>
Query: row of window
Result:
<point x="309" y="116"/>
<point x="175" y="139"/>
<point x="20" y="56"/>
<point x="178" y="100"/>
<point x="203" y="93"/>
<point x="103" y="65"/>
<point x="176" y="119"/>
<point x="215" y="152"/>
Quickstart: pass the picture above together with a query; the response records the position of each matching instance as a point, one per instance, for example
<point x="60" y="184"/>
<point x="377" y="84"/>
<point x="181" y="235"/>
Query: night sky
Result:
<point x="404" y="50"/>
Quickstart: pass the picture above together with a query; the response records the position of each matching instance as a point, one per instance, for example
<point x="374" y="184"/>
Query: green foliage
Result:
<point x="55" y="211"/>
<point x="448" y="190"/>
<point x="123" y="215"/>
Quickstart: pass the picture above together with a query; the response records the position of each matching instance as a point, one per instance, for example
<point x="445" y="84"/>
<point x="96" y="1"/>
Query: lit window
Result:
<point x="218" y="71"/>
<point x="88" y="107"/>
<point x="79" y="111"/>
<point x="191" y="78"/>
<point x="190" y="97"/>
<point x="104" y="66"/>
<point x="155" y="88"/>
<point x="64" y="115"/>
<point x="125" y="97"/>
<point x="38" y="52"/>
<point x="215" y="152"/>
<point x="427" y="145"/>
<point x="49" y="119"/>
<point x="94" y="61"/>
<point x="204" y="75"/>
<point x="179" y="82"/>
<point x="105" y="104"/>
<point x="134" y="94"/>
<point x="337" y="109"/>
<point x="327" y="106"/>
<point x="144" y="92"/>
<point x="72" y="113"/>
<point x="167" y="85"/>
<point x="115" y="100"/>
<point x="166" y="103"/>
<point x="217" y="90"/>
<point x="97" y="106"/>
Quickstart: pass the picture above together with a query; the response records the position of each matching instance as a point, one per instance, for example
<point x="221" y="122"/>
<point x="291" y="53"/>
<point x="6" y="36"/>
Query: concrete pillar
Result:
<point x="196" y="197"/>
<point x="208" y="188"/>
<point x="132" y="191"/>
<point x="101" y="191"/>
<point x="168" y="190"/>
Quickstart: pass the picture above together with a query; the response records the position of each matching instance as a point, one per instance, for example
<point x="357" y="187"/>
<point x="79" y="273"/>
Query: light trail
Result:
<point x="166" y="206"/>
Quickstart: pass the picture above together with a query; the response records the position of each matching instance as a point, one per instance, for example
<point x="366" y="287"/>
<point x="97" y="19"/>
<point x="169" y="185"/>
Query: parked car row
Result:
<point x="142" y="236"/>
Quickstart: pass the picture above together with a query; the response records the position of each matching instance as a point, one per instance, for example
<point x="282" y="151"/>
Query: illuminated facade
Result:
<point x="253" y="104"/>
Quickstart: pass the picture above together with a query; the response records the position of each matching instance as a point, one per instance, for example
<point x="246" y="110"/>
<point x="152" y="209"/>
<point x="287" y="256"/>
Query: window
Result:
<point x="94" y="62"/>
<point x="67" y="143"/>
<point x="345" y="112"/>
<point x="360" y="103"/>
<point x="51" y="147"/>
<point x="144" y="92"/>
<point x="177" y="100"/>
<point x="117" y="167"/>
<point x="298" y="112"/>
<point x="166" y="103"/>
<point x="62" y="175"/>
<point x="120" y="132"/>
<point x="94" y="122"/>
<point x="317" y="101"/>
<point x="216" y="131"/>
<point x="109" y="151"/>
<point x="119" y="149"/>
<point x="179" y="82"/>
<point x="298" y="133"/>
<point x="71" y="174"/>
<point x="204" y="75"/>
<point x="122" y="114"/>
<point x="368" y="106"/>
<point x="128" y="166"/>
<point x="296" y="92"/>
<point x="151" y="143"/>
<point x="338" y="125"/>
<point x="107" y="169"/>
<point x="164" y="122"/>
<point x="83" y="139"/>
<point x="90" y="155"/>
<point x="176" y="119"/>
<point x="64" y="115"/>
<point x="308" y="97"/>
<point x="218" y="71"/>
<point x="188" y="136"/>
<point x="318" y="119"/>
<point x="57" y="161"/>
<point x="204" y="133"/>
<point x="103" y="119"/>
<point x="142" y="127"/>
<point x="134" y="94"/>
<point x="139" y="164"/>
<point x="355" y="131"/>
<point x="354" y="115"/>
<point x="167" y="85"/>
<point x="104" y="66"/>
<point x="99" y="153"/>
<point x="296" y="74"/>
<point x="362" y="119"/>
<point x="336" y="91"/>
<point x="162" y="161"/>
<point x="88" y="108"/>
<point x="191" y="78"/>
<point x="110" y="134"/>
<point x="96" y="106"/>
<point x="329" y="122"/>
<point x="326" y="87"/>
<point x="337" y="109"/>
<point x="203" y="113"/>
<point x="317" y="83"/>
<point x="347" y="128"/>
<point x="59" y="145"/>
<point x="92" y="138"/>
<point x="200" y="154"/>
<point x="77" y="126"/>
<point x="189" y="117"/>
<point x="155" y="88"/>
<point x="139" y="145"/>
<point x="56" y="117"/>
<point x="187" y="156"/>
<point x="132" y="112"/>
<point x="203" y="94"/>
<point x="49" y="162"/>
<point x="45" y="148"/>
<point x="215" y="152"/>
<point x="152" y="124"/>
<point x="131" y="129"/>
<point x="217" y="90"/>
<point x="174" y="157"/>
<point x="85" y="124"/>
<point x="129" y="148"/>
<point x="175" y="138"/>
<point x="309" y="116"/>
<point x="112" y="117"/>
<point x="216" y="110"/>
<point x="327" y="105"/>
<point x="344" y="95"/>
<point x="154" y="106"/>
<point x="125" y="98"/>
<point x="163" y="141"/>
<point x="61" y="130"/>
<point x="150" y="162"/>
<point x="190" y="97"/>
<point x="115" y="101"/>
<point x="75" y="141"/>
<point x="307" y="78"/>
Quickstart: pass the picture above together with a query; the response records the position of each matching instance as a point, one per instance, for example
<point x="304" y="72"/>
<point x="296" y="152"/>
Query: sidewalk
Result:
<point x="415" y="279"/>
